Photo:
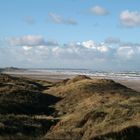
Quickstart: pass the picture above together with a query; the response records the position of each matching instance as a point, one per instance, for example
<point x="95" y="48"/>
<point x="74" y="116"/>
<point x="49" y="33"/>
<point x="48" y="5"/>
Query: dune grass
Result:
<point x="80" y="108"/>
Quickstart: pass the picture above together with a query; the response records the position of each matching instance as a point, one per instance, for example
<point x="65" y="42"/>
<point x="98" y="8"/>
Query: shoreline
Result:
<point x="55" y="77"/>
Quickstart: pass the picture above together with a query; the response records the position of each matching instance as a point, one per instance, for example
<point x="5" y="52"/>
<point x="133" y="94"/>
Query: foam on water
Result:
<point x="120" y="75"/>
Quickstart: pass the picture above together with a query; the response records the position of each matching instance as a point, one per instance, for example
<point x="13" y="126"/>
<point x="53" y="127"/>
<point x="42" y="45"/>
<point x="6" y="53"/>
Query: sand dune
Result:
<point x="79" y="108"/>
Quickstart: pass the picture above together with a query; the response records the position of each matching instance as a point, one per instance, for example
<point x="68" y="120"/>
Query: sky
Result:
<point x="92" y="34"/>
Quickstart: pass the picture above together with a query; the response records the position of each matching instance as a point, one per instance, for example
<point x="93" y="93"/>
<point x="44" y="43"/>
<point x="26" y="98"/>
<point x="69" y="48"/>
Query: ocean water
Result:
<point x="120" y="75"/>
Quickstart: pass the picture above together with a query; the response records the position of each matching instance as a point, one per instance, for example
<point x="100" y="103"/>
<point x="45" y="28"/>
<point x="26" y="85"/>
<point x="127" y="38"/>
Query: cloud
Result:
<point x="130" y="18"/>
<point x="99" y="11"/>
<point x="89" y="54"/>
<point x="60" y="20"/>
<point x="89" y="44"/>
<point x="126" y="52"/>
<point x="117" y="42"/>
<point x="99" y="47"/>
<point x="31" y="40"/>
<point x="27" y="48"/>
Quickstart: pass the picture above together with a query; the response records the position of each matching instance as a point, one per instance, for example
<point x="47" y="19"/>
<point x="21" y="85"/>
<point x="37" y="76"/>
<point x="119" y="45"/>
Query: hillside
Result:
<point x="22" y="105"/>
<point x="80" y="108"/>
<point x="96" y="109"/>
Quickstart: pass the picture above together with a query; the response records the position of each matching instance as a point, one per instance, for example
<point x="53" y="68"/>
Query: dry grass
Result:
<point x="73" y="109"/>
<point x="21" y="100"/>
<point x="96" y="109"/>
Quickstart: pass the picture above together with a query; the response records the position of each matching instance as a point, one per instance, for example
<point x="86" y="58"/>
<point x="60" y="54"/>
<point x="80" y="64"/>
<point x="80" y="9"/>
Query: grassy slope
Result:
<point x="77" y="109"/>
<point x="96" y="109"/>
<point x="22" y="105"/>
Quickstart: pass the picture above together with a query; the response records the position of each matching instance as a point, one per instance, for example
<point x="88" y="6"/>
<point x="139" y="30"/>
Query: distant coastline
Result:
<point x="72" y="72"/>
<point x="128" y="78"/>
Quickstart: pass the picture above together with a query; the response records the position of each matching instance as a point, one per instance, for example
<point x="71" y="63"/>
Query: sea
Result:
<point x="135" y="75"/>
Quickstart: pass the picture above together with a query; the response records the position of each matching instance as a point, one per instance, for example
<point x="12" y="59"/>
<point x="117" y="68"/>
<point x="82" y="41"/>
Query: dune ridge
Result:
<point x="80" y="108"/>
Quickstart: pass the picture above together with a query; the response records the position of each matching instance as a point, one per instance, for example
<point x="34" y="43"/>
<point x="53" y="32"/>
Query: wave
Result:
<point x="125" y="74"/>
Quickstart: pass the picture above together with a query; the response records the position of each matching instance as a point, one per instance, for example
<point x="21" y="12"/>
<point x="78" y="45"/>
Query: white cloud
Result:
<point x="130" y="18"/>
<point x="60" y="20"/>
<point x="99" y="47"/>
<point x="125" y="52"/>
<point x="89" y="54"/>
<point x="27" y="48"/>
<point x="98" y="10"/>
<point x="89" y="44"/>
<point x="31" y="40"/>
<point x="103" y="49"/>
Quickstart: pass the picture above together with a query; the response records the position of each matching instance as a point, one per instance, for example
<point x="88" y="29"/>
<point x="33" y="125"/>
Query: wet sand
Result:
<point x="131" y="83"/>
<point x="134" y="84"/>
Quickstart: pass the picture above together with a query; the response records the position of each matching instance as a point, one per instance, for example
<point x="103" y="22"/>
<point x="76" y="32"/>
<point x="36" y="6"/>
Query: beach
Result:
<point x="56" y="76"/>
<point x="44" y="104"/>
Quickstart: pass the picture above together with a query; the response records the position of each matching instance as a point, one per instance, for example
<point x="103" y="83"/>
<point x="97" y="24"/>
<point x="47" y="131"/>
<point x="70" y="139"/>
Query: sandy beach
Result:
<point x="55" y="77"/>
<point x="52" y="111"/>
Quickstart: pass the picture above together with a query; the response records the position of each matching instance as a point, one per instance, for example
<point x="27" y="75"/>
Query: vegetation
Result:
<point x="95" y="109"/>
<point x="73" y="109"/>
<point x="21" y="101"/>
